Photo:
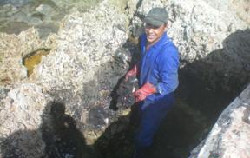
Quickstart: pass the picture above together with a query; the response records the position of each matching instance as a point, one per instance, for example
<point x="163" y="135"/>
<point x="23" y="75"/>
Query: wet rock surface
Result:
<point x="44" y="15"/>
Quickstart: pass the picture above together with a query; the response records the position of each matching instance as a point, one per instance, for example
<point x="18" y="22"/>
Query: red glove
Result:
<point x="132" y="72"/>
<point x="144" y="91"/>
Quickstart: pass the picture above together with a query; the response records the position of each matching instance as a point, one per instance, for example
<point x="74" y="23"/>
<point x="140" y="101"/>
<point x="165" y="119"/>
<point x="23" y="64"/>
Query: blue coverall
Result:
<point x="159" y="66"/>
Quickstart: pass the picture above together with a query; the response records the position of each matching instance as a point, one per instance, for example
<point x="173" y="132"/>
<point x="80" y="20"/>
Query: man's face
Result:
<point x="154" y="33"/>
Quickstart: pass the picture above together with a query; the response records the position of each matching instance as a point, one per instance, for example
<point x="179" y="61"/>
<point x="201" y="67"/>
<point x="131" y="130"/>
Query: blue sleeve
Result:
<point x="168" y="66"/>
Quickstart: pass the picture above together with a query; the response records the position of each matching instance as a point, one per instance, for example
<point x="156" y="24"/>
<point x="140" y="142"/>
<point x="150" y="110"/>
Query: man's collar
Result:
<point x="161" y="41"/>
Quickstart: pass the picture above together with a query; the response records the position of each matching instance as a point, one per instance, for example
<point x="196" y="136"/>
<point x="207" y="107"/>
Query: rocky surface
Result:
<point x="21" y="112"/>
<point x="231" y="132"/>
<point x="76" y="72"/>
<point x="12" y="51"/>
<point x="44" y="15"/>
<point x="89" y="53"/>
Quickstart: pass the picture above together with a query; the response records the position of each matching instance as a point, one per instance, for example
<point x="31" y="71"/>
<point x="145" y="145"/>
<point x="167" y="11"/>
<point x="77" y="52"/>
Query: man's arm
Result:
<point x="168" y="70"/>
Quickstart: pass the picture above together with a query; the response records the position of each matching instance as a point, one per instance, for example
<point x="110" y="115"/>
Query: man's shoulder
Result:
<point x="169" y="46"/>
<point x="168" y="52"/>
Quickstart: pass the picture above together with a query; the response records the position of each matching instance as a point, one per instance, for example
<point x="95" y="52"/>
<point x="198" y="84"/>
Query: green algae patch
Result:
<point x="30" y="61"/>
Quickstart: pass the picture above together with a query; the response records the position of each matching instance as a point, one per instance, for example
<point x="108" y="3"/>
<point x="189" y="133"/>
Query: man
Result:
<point x="158" y="77"/>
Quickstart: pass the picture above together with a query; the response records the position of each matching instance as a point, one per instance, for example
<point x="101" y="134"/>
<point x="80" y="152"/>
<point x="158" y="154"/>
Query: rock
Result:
<point x="26" y="101"/>
<point x="191" y="28"/>
<point x="14" y="48"/>
<point x="230" y="134"/>
<point x="78" y="58"/>
<point x="20" y="116"/>
<point x="29" y="13"/>
<point x="98" y="117"/>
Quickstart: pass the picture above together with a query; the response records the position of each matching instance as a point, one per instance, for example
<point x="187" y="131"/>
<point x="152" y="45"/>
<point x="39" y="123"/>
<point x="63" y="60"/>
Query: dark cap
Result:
<point x="156" y="16"/>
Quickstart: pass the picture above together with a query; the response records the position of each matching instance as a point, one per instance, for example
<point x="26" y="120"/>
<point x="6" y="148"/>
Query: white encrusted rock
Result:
<point x="85" y="42"/>
<point x="230" y="136"/>
<point x="21" y="117"/>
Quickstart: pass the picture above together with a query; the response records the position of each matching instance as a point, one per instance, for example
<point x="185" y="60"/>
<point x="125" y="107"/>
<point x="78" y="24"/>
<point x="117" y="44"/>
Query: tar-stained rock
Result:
<point x="98" y="117"/>
<point x="3" y="93"/>
<point x="60" y="134"/>
<point x="125" y="96"/>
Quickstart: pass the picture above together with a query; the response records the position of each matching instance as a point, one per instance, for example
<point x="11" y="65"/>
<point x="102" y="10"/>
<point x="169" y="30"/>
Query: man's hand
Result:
<point x="144" y="91"/>
<point x="131" y="73"/>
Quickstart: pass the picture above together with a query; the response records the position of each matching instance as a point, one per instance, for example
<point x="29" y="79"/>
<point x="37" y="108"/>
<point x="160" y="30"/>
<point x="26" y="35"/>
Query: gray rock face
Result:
<point x="230" y="134"/>
<point x="21" y="112"/>
<point x="77" y="72"/>
<point x="45" y="15"/>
